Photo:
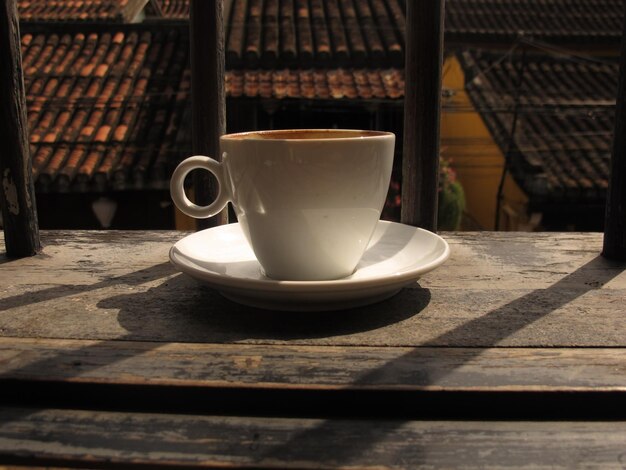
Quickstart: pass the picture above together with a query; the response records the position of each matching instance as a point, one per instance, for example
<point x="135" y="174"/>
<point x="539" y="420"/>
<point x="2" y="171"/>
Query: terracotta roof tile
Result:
<point x="565" y="120"/>
<point x="79" y="10"/>
<point x="573" y="20"/>
<point x="175" y="9"/>
<point x="306" y="33"/>
<point x="359" y="33"/>
<point x="316" y="83"/>
<point x="103" y="106"/>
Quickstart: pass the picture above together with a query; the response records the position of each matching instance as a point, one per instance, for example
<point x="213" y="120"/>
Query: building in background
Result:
<point x="108" y="97"/>
<point x="533" y="85"/>
<point x="88" y="11"/>
<point x="552" y="118"/>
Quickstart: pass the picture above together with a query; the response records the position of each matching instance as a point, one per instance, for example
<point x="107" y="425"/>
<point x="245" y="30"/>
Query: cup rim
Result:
<point x="256" y="136"/>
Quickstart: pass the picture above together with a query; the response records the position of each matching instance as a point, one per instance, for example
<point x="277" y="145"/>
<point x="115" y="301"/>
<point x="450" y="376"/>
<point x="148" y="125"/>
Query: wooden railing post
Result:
<point x="208" y="103"/>
<point x="17" y="195"/>
<point x="615" y="218"/>
<point x="422" y="110"/>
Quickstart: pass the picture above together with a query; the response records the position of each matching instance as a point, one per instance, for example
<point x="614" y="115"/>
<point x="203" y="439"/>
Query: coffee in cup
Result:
<point x="307" y="201"/>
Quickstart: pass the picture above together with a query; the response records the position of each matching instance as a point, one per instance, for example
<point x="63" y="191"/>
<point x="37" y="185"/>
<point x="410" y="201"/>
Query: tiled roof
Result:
<point x="356" y="33"/>
<point x="329" y="33"/>
<point x="174" y="9"/>
<point x="554" y="20"/>
<point x="280" y="33"/>
<point x="80" y="10"/>
<point x="110" y="110"/>
<point x="316" y="84"/>
<point x="104" y="108"/>
<point x="561" y="148"/>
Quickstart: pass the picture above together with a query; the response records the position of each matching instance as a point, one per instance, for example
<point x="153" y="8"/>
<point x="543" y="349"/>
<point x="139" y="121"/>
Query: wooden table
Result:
<point x="509" y="355"/>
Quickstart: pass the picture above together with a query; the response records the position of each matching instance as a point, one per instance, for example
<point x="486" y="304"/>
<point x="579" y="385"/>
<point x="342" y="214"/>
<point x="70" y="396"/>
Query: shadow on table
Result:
<point x="176" y="310"/>
<point x="179" y="310"/>
<point x="158" y="271"/>
<point x="593" y="275"/>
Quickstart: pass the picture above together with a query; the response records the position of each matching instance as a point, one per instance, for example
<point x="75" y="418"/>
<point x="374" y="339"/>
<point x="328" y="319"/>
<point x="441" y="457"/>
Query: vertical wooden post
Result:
<point x="422" y="110"/>
<point x="208" y="103"/>
<point x="17" y="195"/>
<point x="615" y="218"/>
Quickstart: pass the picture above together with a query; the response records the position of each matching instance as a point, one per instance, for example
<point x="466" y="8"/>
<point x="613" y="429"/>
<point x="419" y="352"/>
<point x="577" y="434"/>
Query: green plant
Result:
<point x="451" y="198"/>
<point x="451" y="201"/>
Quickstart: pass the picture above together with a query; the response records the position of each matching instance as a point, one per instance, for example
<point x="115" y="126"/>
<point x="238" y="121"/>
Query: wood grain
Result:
<point x="422" y="108"/>
<point x="107" y="439"/>
<point x="319" y="367"/>
<point x="17" y="194"/>
<point x="496" y="290"/>
<point x="108" y="357"/>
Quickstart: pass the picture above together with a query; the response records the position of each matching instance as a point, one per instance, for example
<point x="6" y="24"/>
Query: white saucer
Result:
<point x="396" y="257"/>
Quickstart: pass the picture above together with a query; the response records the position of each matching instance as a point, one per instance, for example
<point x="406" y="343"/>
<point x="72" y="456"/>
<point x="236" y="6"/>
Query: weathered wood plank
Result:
<point x="318" y="367"/>
<point x="17" y="193"/>
<point x="422" y="108"/>
<point x="495" y="290"/>
<point x="529" y="260"/>
<point x="174" y="308"/>
<point x="107" y="439"/>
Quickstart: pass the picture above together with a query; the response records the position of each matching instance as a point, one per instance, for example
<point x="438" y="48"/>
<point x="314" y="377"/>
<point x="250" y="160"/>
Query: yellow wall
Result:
<point x="476" y="158"/>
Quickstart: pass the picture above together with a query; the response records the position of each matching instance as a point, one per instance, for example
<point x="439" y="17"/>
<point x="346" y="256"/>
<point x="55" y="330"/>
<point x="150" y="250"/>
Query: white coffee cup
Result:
<point x="308" y="201"/>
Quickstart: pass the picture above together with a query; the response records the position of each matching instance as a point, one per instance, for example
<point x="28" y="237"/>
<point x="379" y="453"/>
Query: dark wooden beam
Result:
<point x="422" y="108"/>
<point x="17" y="195"/>
<point x="615" y="218"/>
<point x="208" y="102"/>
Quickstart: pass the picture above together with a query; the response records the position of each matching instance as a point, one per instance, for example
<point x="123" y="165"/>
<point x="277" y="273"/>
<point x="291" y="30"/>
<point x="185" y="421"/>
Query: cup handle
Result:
<point x="177" y="189"/>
